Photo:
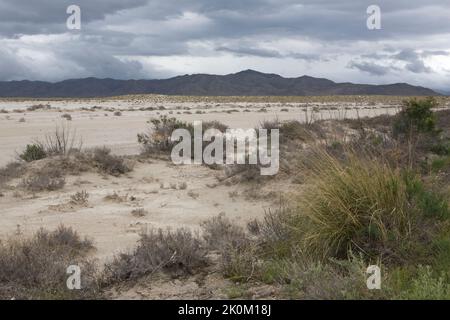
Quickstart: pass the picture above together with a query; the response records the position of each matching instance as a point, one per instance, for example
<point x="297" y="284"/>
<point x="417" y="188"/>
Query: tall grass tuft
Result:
<point x="358" y="204"/>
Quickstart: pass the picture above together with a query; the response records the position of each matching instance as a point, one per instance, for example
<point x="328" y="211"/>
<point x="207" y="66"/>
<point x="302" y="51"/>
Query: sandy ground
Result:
<point x="95" y="123"/>
<point x="154" y="187"/>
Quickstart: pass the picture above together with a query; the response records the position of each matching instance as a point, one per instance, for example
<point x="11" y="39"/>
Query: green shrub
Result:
<point x="430" y="204"/>
<point x="416" y="117"/>
<point x="33" y="152"/>
<point x="426" y="286"/>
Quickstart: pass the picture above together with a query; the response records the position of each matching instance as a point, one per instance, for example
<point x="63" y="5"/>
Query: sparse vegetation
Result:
<point x="351" y="198"/>
<point x="36" y="268"/>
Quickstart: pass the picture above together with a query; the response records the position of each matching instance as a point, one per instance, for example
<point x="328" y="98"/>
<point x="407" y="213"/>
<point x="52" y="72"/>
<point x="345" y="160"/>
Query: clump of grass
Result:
<point x="35" y="268"/>
<point x="361" y="205"/>
<point x="176" y="252"/>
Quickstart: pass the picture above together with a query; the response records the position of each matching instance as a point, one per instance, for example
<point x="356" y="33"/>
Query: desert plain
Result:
<point x="168" y="196"/>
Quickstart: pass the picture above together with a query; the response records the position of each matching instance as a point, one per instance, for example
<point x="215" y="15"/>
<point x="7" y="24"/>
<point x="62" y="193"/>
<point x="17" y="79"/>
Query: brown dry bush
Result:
<point x="11" y="171"/>
<point x="36" y="268"/>
<point x="79" y="198"/>
<point x="108" y="163"/>
<point x="138" y="213"/>
<point x="176" y="252"/>
<point x="62" y="141"/>
<point x="219" y="233"/>
<point x="45" y="179"/>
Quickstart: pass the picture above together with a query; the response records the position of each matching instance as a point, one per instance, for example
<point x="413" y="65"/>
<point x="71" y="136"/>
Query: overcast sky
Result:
<point x="147" y="39"/>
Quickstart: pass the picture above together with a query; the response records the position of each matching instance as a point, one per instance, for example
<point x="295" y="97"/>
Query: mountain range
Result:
<point x="244" y="83"/>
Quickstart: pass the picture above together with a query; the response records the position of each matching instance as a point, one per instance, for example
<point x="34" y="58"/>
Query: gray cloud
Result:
<point x="370" y="67"/>
<point x="155" y="38"/>
<point x="268" y="53"/>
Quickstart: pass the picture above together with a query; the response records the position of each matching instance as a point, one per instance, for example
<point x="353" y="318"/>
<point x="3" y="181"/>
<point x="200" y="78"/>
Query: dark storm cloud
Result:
<point x="370" y="67"/>
<point x="49" y="16"/>
<point x="267" y="53"/>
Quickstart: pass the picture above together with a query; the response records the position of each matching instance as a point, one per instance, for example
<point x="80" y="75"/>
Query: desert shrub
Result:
<point x="306" y="279"/>
<point x="238" y="254"/>
<point x="426" y="286"/>
<point x="415" y="117"/>
<point x="240" y="262"/>
<point x="362" y="205"/>
<point x="415" y="121"/>
<point x="11" y="171"/>
<point x="64" y="237"/>
<point x="176" y="252"/>
<point x="274" y="233"/>
<point x="245" y="172"/>
<point x="159" y="137"/>
<point x="39" y="107"/>
<point x="74" y="164"/>
<point x="67" y="116"/>
<point x="441" y="149"/>
<point x="118" y="113"/>
<point x="33" y="152"/>
<point x="62" y="141"/>
<point x="141" y="212"/>
<point x="214" y="125"/>
<point x="429" y="203"/>
<point x="80" y="198"/>
<point x="108" y="163"/>
<point x="293" y="130"/>
<point x="219" y="233"/>
<point x="45" y="179"/>
<point x="35" y="268"/>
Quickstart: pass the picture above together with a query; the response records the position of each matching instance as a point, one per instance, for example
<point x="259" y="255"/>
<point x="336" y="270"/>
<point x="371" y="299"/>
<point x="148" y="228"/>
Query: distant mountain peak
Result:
<point x="245" y="83"/>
